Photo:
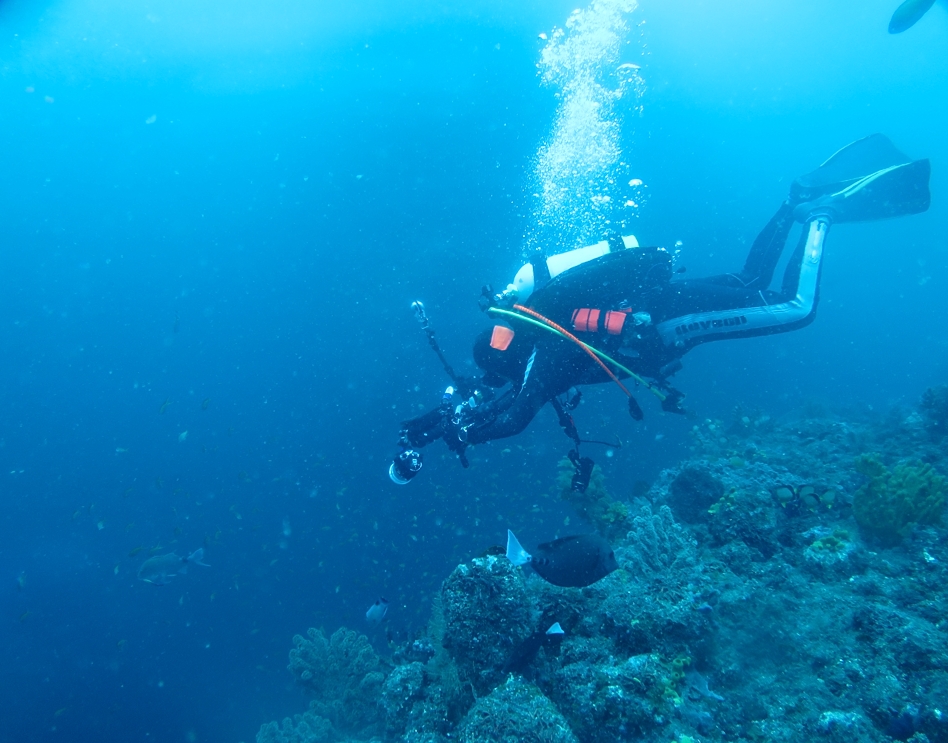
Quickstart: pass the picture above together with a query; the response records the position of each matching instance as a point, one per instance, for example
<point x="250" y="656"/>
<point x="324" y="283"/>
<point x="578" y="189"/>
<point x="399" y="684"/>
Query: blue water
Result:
<point x="214" y="222"/>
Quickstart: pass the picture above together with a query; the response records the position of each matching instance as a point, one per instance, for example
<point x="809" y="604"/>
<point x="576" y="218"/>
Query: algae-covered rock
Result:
<point x="403" y="687"/>
<point x="693" y="492"/>
<point x="486" y="614"/>
<point x="515" y="711"/>
<point x="893" y="501"/>
<point x="612" y="699"/>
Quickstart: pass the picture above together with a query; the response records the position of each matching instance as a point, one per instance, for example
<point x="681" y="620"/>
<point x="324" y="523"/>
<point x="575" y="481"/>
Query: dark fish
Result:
<point x="377" y="611"/>
<point x="571" y="562"/>
<point x="908" y="14"/>
<point x="523" y="655"/>
<point x="162" y="568"/>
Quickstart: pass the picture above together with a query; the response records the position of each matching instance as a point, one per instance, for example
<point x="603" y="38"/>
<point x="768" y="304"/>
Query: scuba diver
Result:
<point x="618" y="312"/>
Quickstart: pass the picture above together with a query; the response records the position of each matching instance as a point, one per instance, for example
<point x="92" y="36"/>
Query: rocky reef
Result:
<point x="787" y="582"/>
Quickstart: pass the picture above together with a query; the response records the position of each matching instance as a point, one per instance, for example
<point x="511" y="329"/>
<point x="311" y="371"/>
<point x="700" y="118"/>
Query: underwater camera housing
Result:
<point x="406" y="464"/>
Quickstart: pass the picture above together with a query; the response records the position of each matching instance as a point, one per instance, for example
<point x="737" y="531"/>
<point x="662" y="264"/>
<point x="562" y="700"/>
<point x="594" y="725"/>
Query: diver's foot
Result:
<point x="866" y="180"/>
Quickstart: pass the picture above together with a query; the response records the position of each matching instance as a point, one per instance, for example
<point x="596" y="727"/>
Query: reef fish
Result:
<point x="523" y="655"/>
<point x="908" y="14"/>
<point x="160" y="569"/>
<point x="377" y="611"/>
<point x="571" y="562"/>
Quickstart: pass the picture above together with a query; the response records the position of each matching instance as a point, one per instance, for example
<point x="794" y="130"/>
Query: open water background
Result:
<point x="242" y="267"/>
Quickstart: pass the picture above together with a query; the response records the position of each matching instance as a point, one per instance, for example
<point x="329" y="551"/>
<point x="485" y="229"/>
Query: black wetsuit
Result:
<point x="665" y="317"/>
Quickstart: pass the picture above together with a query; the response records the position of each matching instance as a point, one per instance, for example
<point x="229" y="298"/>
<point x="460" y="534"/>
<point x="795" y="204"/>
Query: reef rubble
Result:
<point x="788" y="581"/>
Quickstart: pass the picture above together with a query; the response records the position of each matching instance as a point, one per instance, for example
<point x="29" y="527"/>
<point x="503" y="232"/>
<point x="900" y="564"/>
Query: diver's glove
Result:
<point x="672" y="403"/>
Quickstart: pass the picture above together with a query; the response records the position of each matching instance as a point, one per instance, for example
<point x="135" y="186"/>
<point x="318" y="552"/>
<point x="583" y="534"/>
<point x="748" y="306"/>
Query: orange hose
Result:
<point x="577" y="341"/>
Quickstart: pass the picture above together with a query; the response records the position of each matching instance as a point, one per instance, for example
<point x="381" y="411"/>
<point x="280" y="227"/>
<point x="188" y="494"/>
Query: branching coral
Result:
<point x="893" y="501"/>
<point x="657" y="545"/>
<point x="345" y="675"/>
<point x="304" y="728"/>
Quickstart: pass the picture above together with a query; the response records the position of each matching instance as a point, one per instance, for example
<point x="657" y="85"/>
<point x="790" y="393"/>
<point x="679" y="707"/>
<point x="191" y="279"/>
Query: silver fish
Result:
<point x="160" y="569"/>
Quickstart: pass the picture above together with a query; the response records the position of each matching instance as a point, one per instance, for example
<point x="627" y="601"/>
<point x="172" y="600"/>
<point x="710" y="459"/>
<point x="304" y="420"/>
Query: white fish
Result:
<point x="377" y="611"/>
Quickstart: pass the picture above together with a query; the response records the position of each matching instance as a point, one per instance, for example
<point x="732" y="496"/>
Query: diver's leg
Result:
<point x="763" y="256"/>
<point x="702" y="311"/>
<point x="765" y="252"/>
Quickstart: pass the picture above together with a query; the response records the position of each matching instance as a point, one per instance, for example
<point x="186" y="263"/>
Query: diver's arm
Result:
<point x="514" y="419"/>
<point x="424" y="429"/>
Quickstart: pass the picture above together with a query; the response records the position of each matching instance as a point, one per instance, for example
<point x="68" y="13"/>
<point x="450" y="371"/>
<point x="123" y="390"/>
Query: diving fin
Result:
<point x="867" y="180"/>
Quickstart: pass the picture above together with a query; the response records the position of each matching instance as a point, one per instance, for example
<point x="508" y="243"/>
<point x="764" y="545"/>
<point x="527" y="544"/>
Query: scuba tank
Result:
<point x="525" y="282"/>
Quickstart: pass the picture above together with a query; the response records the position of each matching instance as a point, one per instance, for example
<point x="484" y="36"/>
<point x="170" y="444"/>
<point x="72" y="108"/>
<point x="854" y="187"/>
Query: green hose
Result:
<point x="523" y="318"/>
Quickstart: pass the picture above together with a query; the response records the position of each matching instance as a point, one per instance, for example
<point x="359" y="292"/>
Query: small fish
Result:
<point x="121" y="450"/>
<point x="164" y="406"/>
<point x="160" y="569"/>
<point x="523" y="655"/>
<point x="182" y="437"/>
<point x="377" y="611"/>
<point x="908" y="14"/>
<point x="21" y="580"/>
<point x="572" y="562"/>
<point x="205" y="403"/>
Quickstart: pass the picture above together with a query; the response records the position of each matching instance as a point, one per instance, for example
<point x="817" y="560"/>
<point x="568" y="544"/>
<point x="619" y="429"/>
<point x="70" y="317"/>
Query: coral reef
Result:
<point x="752" y="604"/>
<point x="344" y="675"/>
<point x="893" y="501"/>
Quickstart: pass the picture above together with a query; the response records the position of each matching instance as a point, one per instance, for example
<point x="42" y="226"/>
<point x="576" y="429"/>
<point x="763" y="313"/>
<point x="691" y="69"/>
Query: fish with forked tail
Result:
<point x="572" y="562"/>
<point x="160" y="569"/>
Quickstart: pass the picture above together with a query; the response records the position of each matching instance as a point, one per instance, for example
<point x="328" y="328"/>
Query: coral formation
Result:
<point x="751" y="604"/>
<point x="515" y="711"/>
<point x="486" y="587"/>
<point x="893" y="501"/>
<point x="344" y="675"/>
